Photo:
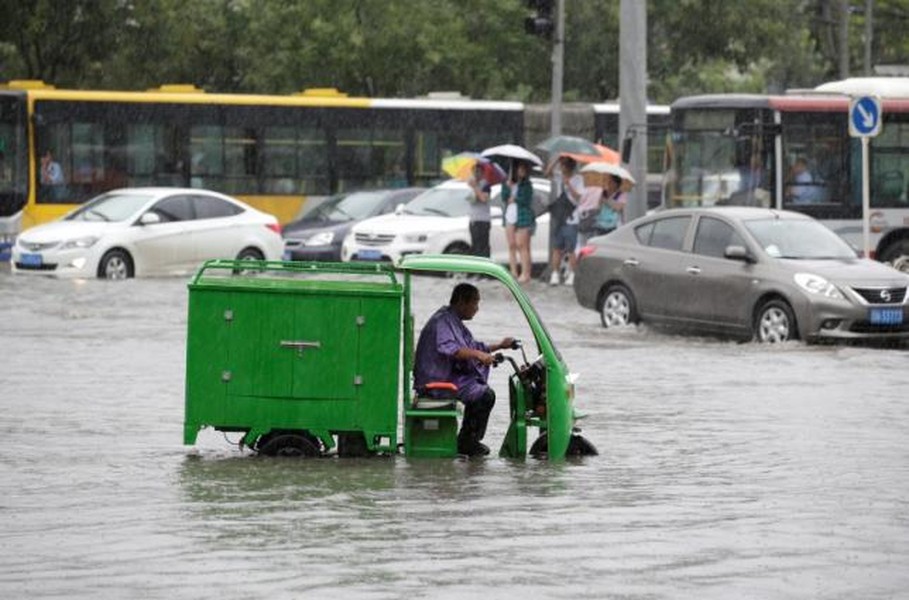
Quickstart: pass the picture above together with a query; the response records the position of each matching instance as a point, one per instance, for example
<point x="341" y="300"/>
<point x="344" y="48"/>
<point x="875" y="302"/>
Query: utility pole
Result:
<point x="633" y="98"/>
<point x="869" y="34"/>
<point x="844" y="39"/>
<point x="558" y="62"/>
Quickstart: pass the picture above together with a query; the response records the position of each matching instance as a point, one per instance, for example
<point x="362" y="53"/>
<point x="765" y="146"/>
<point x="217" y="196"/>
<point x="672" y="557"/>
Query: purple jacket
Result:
<point x="442" y="336"/>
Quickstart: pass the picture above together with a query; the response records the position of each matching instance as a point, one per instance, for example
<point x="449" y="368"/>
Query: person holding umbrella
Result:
<point x="519" y="191"/>
<point x="479" y="212"/>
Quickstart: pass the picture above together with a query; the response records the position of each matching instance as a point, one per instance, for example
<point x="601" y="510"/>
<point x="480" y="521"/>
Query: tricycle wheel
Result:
<point x="289" y="443"/>
<point x="352" y="445"/>
<point x="580" y="446"/>
<point x="577" y="446"/>
<point x="540" y="446"/>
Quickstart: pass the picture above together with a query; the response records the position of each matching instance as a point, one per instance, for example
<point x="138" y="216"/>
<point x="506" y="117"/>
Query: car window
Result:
<point x="643" y="233"/>
<point x="441" y="202"/>
<point x="713" y="236"/>
<point x="173" y="208"/>
<point x="209" y="207"/>
<point x="669" y="233"/>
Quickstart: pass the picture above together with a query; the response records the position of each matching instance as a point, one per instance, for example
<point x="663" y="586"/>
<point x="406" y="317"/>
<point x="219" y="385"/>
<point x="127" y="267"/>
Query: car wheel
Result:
<point x="250" y="254"/>
<point x="115" y="264"/>
<point x="775" y="322"/>
<point x="897" y="254"/>
<point x="618" y="307"/>
<point x="457" y="248"/>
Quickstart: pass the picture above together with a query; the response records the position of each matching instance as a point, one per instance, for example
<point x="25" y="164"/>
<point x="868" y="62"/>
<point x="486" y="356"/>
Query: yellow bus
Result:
<point x="270" y="151"/>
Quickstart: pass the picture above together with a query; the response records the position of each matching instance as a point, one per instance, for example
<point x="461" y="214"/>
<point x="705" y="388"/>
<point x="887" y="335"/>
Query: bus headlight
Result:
<point x="83" y="242"/>
<point x="815" y="284"/>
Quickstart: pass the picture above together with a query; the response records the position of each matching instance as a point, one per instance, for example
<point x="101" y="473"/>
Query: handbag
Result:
<point x="587" y="222"/>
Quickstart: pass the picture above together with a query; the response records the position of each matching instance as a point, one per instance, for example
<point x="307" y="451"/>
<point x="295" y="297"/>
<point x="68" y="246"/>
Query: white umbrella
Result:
<point x="513" y="151"/>
<point x="609" y="168"/>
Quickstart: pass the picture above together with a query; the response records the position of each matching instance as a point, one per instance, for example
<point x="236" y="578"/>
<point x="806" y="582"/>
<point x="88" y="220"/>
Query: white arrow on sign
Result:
<point x="867" y="117"/>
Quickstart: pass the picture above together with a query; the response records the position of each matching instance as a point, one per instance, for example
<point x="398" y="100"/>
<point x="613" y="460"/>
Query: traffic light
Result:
<point x="542" y="22"/>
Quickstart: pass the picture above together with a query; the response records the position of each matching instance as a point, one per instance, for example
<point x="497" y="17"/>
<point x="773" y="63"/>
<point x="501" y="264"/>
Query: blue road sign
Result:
<point x="864" y="116"/>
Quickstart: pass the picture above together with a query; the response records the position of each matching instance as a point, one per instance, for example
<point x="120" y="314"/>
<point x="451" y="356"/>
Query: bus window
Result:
<point x="206" y="168"/>
<point x="279" y="154"/>
<point x="240" y="161"/>
<point x="814" y="160"/>
<point x="890" y="166"/>
<point x="312" y="159"/>
<point x="13" y="155"/>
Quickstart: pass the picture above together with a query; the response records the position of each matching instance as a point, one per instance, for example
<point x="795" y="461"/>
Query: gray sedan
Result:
<point x="748" y="272"/>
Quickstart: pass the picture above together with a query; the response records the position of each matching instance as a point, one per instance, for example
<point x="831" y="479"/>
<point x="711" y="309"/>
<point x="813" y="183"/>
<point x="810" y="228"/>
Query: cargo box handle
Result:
<point x="300" y="345"/>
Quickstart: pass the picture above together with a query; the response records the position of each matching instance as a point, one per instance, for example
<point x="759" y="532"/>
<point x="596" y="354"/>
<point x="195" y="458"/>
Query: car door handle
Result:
<point x="631" y="262"/>
<point x="694" y="270"/>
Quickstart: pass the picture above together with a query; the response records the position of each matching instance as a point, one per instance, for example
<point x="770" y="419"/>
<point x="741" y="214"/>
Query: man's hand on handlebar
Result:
<point x="508" y="343"/>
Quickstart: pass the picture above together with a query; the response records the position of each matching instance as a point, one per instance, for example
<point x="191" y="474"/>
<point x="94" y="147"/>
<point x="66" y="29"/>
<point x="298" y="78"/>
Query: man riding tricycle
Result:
<point x="310" y="359"/>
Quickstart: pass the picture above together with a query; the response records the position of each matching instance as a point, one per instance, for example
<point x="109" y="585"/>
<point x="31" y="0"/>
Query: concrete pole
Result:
<point x="869" y="34"/>
<point x="844" y="39"/>
<point x="633" y="98"/>
<point x="558" y="61"/>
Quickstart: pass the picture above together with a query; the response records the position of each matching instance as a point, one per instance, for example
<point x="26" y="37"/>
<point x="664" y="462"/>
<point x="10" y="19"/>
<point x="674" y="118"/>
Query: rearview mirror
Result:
<point x="149" y="218"/>
<point x="738" y="253"/>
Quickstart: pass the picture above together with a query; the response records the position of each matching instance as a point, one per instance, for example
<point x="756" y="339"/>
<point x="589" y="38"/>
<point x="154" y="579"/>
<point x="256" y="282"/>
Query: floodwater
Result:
<point x="726" y="470"/>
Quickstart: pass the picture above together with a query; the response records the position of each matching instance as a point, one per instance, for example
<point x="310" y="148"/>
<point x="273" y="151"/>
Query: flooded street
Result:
<point x="726" y="470"/>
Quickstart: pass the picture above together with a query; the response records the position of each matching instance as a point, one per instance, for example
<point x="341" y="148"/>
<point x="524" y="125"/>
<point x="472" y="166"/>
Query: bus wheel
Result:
<point x="540" y="446"/>
<point x="897" y="254"/>
<point x="775" y="322"/>
<point x="289" y="443"/>
<point x="115" y="264"/>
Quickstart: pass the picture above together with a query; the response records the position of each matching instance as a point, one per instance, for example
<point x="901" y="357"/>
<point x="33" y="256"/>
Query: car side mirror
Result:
<point x="399" y="209"/>
<point x="149" y="218"/>
<point x="735" y="252"/>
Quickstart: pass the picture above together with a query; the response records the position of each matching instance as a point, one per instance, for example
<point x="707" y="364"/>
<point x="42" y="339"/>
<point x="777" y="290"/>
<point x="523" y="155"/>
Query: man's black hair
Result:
<point x="463" y="292"/>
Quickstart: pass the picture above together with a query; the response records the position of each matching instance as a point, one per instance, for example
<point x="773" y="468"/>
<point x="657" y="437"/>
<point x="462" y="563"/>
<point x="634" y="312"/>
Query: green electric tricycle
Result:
<point x="310" y="359"/>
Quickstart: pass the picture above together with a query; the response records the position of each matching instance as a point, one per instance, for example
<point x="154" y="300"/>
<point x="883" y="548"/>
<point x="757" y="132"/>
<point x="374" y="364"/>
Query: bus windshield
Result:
<point x="719" y="157"/>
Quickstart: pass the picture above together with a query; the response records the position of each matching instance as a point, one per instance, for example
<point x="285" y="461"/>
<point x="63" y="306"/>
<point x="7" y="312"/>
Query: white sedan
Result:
<point x="437" y="222"/>
<point x="147" y="231"/>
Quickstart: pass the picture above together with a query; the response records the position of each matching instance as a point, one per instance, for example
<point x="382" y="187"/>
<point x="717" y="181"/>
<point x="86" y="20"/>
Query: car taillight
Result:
<point x="276" y="227"/>
<point x="586" y="251"/>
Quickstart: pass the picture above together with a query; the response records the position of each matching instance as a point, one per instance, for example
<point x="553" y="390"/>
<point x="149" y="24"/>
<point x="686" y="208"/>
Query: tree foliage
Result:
<point x="406" y="48"/>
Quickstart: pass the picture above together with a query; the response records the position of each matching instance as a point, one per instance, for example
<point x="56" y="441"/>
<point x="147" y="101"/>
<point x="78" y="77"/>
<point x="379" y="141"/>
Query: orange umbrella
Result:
<point x="606" y="154"/>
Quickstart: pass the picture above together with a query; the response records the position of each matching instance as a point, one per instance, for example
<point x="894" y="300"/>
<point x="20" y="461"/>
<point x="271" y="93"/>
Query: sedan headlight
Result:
<point x="321" y="239"/>
<point x="83" y="242"/>
<point x="815" y="284"/>
<point x="415" y="238"/>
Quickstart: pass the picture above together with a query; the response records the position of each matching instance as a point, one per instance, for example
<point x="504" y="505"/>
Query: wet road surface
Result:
<point x="726" y="470"/>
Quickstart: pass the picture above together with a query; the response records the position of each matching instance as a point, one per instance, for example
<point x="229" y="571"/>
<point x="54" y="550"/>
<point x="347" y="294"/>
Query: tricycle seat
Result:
<point x="431" y="421"/>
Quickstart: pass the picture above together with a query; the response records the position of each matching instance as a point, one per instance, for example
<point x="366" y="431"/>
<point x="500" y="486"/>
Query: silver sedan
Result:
<point x="747" y="272"/>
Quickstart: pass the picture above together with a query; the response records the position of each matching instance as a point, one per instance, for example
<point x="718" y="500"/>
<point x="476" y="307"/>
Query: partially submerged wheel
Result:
<point x="775" y="322"/>
<point x="298" y="444"/>
<point x="577" y="446"/>
<point x="618" y="307"/>
<point x="115" y="264"/>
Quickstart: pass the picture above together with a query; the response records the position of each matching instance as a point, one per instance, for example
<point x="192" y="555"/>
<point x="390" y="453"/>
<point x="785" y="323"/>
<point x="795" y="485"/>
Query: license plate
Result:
<point x="32" y="260"/>
<point x="886" y="316"/>
<point x="369" y="254"/>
